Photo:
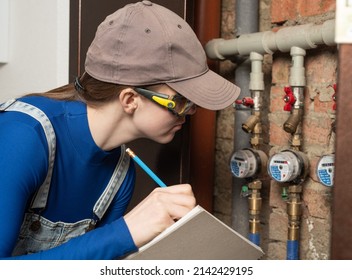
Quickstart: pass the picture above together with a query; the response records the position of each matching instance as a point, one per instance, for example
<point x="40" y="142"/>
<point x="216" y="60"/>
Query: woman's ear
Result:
<point x="129" y="100"/>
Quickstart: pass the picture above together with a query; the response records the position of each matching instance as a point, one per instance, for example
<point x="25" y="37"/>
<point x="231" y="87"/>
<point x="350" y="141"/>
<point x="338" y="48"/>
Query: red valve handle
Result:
<point x="246" y="101"/>
<point x="289" y="99"/>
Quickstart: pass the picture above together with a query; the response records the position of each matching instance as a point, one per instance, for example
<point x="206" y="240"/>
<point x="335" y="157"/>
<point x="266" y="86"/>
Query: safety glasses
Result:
<point x="176" y="104"/>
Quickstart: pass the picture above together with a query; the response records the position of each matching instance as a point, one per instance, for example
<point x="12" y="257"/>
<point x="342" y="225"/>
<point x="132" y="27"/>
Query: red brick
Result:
<point x="276" y="251"/>
<point x="321" y="66"/>
<point x="328" y="5"/>
<point x="318" y="201"/>
<point x="317" y="131"/>
<point x="280" y="69"/>
<point x="276" y="99"/>
<point x="278" y="137"/>
<point x="278" y="226"/>
<point x="276" y="200"/>
<point x="315" y="238"/>
<point x="314" y="7"/>
<point x="322" y="106"/>
<point x="282" y="10"/>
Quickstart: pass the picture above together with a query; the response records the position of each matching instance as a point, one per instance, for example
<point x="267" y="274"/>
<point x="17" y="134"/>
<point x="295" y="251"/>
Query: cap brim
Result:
<point x="209" y="90"/>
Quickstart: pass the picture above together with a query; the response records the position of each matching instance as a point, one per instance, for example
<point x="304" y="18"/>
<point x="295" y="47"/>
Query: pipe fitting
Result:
<point x="307" y="36"/>
<point x="257" y="99"/>
<point x="250" y="123"/>
<point x="257" y="139"/>
<point x="256" y="82"/>
<point x="296" y="141"/>
<point x="215" y="50"/>
<point x="295" y="117"/>
<point x="253" y="120"/>
<point x="297" y="72"/>
<point x="254" y="226"/>
<point x="298" y="93"/>
<point x="294" y="211"/>
<point x="255" y="205"/>
<point x="293" y="121"/>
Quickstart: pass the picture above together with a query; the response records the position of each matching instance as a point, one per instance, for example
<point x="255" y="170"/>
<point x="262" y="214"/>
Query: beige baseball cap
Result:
<point x="145" y="44"/>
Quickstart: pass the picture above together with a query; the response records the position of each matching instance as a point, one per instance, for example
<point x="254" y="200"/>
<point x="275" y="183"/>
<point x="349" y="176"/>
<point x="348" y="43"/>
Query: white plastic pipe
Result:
<point x="256" y="76"/>
<point x="297" y="72"/>
<point x="307" y="36"/>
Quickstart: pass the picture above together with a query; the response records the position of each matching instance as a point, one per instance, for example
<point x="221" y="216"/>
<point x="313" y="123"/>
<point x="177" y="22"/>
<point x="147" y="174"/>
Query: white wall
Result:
<point x="38" y="47"/>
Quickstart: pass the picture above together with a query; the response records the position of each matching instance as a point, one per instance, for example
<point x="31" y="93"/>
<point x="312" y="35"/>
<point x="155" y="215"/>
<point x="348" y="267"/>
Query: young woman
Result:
<point x="66" y="179"/>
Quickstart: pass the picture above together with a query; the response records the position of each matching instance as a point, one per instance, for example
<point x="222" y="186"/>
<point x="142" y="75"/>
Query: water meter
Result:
<point x="325" y="170"/>
<point x="288" y="166"/>
<point x="248" y="163"/>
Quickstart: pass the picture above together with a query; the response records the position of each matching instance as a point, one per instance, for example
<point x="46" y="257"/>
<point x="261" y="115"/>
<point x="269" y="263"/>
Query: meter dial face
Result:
<point x="284" y="167"/>
<point x="325" y="170"/>
<point x="243" y="164"/>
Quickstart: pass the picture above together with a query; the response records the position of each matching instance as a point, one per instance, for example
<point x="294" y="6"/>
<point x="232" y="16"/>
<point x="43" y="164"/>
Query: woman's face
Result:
<point x="156" y="122"/>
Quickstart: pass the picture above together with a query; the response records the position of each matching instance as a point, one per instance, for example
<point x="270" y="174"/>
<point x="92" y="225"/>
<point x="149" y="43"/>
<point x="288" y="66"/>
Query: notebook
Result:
<point x="198" y="235"/>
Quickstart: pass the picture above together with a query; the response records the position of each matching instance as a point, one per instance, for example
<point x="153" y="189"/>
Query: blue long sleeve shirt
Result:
<point x="81" y="172"/>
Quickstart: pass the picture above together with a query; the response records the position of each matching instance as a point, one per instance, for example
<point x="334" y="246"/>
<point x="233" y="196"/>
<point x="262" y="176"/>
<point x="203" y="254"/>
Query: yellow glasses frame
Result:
<point x="176" y="104"/>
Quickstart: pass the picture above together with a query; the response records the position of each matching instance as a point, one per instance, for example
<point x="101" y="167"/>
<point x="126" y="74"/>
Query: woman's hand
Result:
<point x="160" y="209"/>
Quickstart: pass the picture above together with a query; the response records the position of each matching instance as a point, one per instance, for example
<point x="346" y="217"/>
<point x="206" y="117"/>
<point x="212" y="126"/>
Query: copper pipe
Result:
<point x="294" y="211"/>
<point x="255" y="205"/>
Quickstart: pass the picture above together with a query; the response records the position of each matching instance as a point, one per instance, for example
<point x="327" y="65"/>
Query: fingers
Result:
<point x="158" y="211"/>
<point x="173" y="196"/>
<point x="182" y="188"/>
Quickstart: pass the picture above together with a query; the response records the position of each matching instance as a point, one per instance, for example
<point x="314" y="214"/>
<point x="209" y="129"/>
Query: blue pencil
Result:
<point x="145" y="168"/>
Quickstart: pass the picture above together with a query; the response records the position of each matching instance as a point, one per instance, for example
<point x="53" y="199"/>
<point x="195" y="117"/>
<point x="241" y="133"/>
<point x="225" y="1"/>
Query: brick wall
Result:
<point x="286" y="10"/>
<point x="318" y="138"/>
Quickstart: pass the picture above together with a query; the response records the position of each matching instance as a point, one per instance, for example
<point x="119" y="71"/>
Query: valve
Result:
<point x="288" y="166"/>
<point x="249" y="125"/>
<point x="334" y="86"/>
<point x="245" y="101"/>
<point x="289" y="99"/>
<point x="334" y="98"/>
<point x="248" y="163"/>
<point x="325" y="170"/>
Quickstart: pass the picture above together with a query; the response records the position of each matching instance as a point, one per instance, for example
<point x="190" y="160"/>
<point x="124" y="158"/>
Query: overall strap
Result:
<point x="114" y="184"/>
<point x="15" y="105"/>
<point x="39" y="202"/>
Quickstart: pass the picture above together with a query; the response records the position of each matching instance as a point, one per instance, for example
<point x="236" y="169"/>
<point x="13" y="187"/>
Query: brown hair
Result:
<point x="87" y="89"/>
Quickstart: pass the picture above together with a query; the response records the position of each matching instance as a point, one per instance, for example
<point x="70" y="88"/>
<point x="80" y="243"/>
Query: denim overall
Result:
<point x="37" y="233"/>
